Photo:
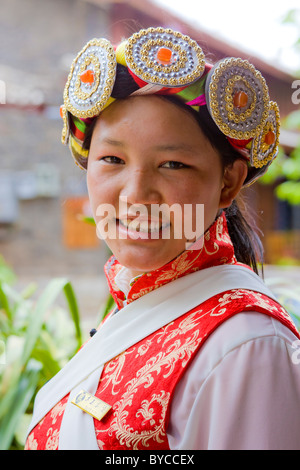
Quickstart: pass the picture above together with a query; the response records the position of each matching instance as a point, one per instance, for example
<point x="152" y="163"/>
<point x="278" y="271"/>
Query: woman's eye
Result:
<point x="173" y="165"/>
<point x="112" y="160"/>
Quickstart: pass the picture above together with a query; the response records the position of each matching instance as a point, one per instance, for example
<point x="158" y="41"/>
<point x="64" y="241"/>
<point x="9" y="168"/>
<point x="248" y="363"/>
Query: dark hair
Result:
<point x="246" y="242"/>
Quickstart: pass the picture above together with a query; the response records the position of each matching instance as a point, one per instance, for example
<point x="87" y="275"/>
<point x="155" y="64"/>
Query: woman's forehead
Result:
<point x="149" y="115"/>
<point x="149" y="126"/>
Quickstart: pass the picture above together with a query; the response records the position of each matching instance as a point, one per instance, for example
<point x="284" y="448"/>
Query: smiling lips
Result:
<point x="141" y="227"/>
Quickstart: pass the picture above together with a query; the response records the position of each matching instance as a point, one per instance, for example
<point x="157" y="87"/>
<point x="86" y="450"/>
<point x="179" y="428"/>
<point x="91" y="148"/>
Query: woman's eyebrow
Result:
<point x="174" y="147"/>
<point x="114" y="142"/>
<point x="157" y="148"/>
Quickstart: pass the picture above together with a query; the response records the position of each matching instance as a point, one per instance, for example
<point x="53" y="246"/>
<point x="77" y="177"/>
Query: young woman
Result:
<point x="197" y="354"/>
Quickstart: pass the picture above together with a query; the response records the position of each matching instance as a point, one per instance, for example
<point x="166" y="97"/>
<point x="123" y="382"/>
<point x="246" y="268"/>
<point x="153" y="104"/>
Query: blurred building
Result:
<point x="43" y="194"/>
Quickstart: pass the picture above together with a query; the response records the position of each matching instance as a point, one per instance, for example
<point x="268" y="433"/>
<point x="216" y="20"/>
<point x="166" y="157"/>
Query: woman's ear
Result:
<point x="233" y="179"/>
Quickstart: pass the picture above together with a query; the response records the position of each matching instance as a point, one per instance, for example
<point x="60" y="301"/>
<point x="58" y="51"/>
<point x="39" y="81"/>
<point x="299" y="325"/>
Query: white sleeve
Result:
<point x="242" y="390"/>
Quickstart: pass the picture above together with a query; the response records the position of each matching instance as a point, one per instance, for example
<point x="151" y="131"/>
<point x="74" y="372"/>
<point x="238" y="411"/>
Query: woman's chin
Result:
<point x="143" y="257"/>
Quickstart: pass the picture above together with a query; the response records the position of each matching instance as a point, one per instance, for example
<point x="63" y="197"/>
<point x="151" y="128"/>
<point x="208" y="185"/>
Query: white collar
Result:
<point x="124" y="280"/>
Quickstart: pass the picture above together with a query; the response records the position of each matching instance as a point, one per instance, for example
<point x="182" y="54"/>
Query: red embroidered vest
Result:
<point x="140" y="382"/>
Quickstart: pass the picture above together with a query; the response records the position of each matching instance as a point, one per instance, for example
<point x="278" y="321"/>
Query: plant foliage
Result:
<point x="36" y="339"/>
<point x="288" y="168"/>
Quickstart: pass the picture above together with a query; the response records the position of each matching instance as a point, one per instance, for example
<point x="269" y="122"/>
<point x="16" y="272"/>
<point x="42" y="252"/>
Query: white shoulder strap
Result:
<point x="134" y="322"/>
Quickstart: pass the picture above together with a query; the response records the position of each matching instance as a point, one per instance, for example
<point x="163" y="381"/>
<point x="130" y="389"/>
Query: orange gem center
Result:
<point x="240" y="99"/>
<point x="270" y="138"/>
<point x="87" y="77"/>
<point x="164" y="55"/>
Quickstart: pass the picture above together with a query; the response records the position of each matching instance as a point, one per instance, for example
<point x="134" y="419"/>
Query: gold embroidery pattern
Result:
<point x="152" y="410"/>
<point x="184" y="262"/>
<point x="57" y="411"/>
<point x="31" y="443"/>
<point x="113" y="371"/>
<point x="176" y="346"/>
<point x="52" y="441"/>
<point x="139" y="415"/>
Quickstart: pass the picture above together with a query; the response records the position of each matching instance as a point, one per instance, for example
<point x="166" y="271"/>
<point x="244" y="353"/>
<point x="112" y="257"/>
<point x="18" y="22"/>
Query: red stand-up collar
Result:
<point x="217" y="249"/>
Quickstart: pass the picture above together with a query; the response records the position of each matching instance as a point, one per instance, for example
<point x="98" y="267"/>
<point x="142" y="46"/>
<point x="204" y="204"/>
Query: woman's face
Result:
<point x="147" y="152"/>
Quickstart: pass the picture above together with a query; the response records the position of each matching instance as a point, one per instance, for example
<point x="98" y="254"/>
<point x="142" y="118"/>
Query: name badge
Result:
<point x="91" y="404"/>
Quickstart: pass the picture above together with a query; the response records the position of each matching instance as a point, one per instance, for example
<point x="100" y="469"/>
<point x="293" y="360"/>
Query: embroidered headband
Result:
<point x="163" y="61"/>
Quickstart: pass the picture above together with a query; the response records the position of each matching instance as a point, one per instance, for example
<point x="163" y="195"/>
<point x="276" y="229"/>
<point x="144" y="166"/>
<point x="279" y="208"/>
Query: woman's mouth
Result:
<point x="144" y="229"/>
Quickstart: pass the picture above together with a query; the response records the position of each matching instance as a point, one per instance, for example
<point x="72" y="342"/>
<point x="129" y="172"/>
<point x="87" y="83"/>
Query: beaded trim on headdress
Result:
<point x="164" y="58"/>
<point x="164" y="61"/>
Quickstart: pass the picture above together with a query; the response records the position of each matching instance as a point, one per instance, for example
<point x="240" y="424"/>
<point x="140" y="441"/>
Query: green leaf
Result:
<point x="295" y="154"/>
<point x="108" y="306"/>
<point x="6" y="273"/>
<point x="292" y="120"/>
<point x="290" y="17"/>
<point x="291" y="169"/>
<point x="289" y="191"/>
<point x="31" y="332"/>
<point x="22" y="397"/>
<point x="44" y="302"/>
<point x="275" y="169"/>
<point x="51" y="366"/>
<point x="88" y="220"/>
<point x="4" y="303"/>
<point x="73" y="306"/>
<point x="29" y="290"/>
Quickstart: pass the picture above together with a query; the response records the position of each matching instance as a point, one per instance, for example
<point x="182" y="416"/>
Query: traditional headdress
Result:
<point x="162" y="61"/>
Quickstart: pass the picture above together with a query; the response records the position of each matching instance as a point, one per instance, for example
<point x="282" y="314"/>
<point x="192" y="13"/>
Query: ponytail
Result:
<point x="247" y="245"/>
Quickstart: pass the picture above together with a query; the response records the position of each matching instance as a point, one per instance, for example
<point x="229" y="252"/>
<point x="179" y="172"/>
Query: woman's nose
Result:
<point x="141" y="187"/>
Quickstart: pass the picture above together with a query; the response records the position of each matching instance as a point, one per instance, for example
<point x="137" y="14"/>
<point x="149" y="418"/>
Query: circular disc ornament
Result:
<point x="91" y="79"/>
<point x="237" y="97"/>
<point x="164" y="57"/>
<point x="265" y="144"/>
